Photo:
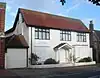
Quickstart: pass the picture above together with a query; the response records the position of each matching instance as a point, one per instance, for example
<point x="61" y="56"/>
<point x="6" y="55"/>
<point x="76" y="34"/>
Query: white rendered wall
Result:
<point x="15" y="58"/>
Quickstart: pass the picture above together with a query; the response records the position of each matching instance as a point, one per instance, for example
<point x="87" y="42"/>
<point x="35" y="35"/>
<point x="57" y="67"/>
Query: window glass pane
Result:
<point x="61" y="37"/>
<point x="43" y="30"/>
<point x="47" y="36"/>
<point x="36" y="35"/>
<point x="40" y="35"/>
<point x="44" y="35"/>
<point x="36" y="29"/>
<point x="64" y="37"/>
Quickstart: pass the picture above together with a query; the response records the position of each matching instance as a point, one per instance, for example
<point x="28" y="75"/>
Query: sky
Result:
<point x="79" y="9"/>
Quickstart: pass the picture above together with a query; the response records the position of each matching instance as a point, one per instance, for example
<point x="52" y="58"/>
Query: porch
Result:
<point x="64" y="53"/>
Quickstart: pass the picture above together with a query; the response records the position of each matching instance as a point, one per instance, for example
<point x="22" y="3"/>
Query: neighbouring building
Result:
<point x="95" y="42"/>
<point x="2" y="27"/>
<point x="52" y="36"/>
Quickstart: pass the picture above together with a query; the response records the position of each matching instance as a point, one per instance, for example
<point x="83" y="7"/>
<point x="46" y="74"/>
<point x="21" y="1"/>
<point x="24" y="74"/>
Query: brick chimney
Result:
<point x="91" y="28"/>
<point x="2" y="16"/>
<point x="2" y="27"/>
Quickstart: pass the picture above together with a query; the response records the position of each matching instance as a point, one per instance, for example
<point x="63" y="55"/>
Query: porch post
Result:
<point x="72" y="54"/>
<point x="55" y="55"/>
<point x="66" y="55"/>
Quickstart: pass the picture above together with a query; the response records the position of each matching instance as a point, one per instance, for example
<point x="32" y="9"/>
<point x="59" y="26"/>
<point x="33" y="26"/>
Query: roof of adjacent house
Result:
<point x="16" y="41"/>
<point x="97" y="33"/>
<point x="40" y="19"/>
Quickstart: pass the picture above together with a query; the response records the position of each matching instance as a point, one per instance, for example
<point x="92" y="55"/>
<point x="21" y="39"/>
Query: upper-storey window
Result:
<point x="42" y="34"/>
<point x="65" y="35"/>
<point x="81" y="37"/>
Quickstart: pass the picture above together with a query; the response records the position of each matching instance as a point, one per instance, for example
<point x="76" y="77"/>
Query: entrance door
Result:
<point x="62" y="56"/>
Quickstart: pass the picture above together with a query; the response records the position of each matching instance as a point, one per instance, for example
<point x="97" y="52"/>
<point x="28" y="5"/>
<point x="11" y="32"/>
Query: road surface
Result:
<point x="67" y="72"/>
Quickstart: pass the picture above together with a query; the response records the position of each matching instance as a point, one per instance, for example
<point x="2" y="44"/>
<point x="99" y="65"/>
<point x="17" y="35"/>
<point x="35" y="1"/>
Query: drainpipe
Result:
<point x="31" y="45"/>
<point x="27" y="57"/>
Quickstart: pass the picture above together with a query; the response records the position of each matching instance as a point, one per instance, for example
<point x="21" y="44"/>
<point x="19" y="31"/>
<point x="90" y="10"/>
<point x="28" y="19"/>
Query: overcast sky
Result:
<point x="80" y="9"/>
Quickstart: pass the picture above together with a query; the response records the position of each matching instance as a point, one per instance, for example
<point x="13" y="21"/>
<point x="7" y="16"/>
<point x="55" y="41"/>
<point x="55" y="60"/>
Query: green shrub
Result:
<point x="33" y="59"/>
<point x="86" y="59"/>
<point x="50" y="61"/>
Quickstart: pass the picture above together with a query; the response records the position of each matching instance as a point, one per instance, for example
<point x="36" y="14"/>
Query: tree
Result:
<point x="97" y="2"/>
<point x="62" y="1"/>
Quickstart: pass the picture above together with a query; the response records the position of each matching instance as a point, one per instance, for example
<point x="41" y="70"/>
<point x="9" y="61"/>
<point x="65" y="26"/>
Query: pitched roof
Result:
<point x="35" y="18"/>
<point x="16" y="41"/>
<point x="40" y="19"/>
<point x="97" y="33"/>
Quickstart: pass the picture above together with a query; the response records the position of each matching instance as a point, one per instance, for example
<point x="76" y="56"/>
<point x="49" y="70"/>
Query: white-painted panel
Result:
<point x="83" y="51"/>
<point x="15" y="58"/>
<point x="44" y="52"/>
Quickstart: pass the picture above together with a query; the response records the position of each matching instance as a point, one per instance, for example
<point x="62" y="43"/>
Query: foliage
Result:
<point x="72" y="57"/>
<point x="34" y="56"/>
<point x="63" y="1"/>
<point x="86" y="59"/>
<point x="33" y="59"/>
<point x="50" y="61"/>
<point x="97" y="2"/>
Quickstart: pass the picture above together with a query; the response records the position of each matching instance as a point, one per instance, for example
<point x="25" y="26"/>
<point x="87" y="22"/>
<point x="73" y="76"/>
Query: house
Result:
<point x="2" y="26"/>
<point x="95" y="42"/>
<point x="52" y="36"/>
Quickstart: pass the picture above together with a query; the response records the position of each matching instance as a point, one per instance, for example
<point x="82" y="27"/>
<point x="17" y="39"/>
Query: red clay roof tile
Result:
<point x="16" y="41"/>
<point x="34" y="18"/>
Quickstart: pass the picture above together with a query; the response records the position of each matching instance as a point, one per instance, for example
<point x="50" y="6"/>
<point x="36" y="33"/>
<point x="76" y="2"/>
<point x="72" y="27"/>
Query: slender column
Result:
<point x="55" y="55"/>
<point x="72" y="55"/>
<point x="58" y="56"/>
<point x="66" y="55"/>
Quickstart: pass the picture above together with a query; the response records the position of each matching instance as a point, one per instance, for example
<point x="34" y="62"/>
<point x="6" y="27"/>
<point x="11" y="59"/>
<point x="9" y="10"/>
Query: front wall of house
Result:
<point x="15" y="58"/>
<point x="44" y="48"/>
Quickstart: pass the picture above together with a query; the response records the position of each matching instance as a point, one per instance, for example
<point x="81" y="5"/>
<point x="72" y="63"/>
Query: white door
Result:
<point x="15" y="58"/>
<point x="62" y="56"/>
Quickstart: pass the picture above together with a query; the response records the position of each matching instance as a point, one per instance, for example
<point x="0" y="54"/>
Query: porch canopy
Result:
<point x="65" y="46"/>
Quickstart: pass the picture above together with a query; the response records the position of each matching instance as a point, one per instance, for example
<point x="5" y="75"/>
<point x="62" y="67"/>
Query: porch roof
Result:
<point x="63" y="45"/>
<point x="16" y="41"/>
